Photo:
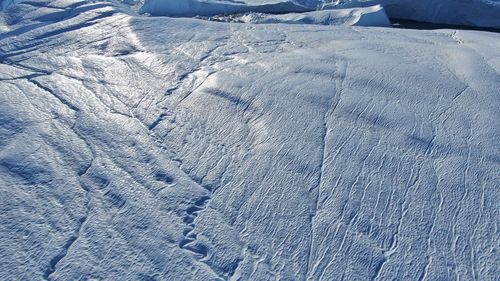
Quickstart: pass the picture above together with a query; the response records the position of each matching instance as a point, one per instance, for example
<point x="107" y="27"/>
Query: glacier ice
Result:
<point x="481" y="13"/>
<point x="156" y="148"/>
<point x="369" y="16"/>
<point x="188" y="8"/>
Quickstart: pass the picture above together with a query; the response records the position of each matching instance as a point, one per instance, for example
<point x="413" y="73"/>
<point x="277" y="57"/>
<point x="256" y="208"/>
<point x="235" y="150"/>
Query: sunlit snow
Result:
<point x="156" y="148"/>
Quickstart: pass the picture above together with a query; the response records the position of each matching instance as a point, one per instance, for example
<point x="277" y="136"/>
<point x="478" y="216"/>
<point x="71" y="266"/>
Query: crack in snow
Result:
<point x="341" y="70"/>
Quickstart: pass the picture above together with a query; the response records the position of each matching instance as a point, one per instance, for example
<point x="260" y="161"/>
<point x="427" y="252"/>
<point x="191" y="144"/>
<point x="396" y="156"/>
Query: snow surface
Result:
<point x="136" y="148"/>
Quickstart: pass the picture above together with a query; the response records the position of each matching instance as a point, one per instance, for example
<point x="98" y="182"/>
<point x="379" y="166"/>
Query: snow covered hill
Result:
<point x="139" y="148"/>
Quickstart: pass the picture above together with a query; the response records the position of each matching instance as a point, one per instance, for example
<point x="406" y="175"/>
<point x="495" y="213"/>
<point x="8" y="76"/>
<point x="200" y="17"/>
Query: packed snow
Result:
<point x="156" y="148"/>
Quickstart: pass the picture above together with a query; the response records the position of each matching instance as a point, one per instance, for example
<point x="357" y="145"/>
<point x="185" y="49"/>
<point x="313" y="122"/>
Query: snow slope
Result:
<point x="135" y="148"/>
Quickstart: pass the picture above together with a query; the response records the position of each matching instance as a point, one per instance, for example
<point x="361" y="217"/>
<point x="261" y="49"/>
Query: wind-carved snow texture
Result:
<point x="136" y="148"/>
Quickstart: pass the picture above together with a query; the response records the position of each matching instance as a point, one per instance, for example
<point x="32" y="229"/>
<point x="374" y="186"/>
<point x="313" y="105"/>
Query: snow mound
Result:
<point x="370" y="16"/>
<point x="189" y="8"/>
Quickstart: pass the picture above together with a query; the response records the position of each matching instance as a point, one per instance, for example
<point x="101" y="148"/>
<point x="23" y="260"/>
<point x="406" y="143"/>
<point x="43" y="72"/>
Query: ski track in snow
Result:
<point x="136" y="148"/>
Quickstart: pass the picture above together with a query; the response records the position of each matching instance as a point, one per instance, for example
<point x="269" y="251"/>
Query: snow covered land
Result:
<point x="157" y="148"/>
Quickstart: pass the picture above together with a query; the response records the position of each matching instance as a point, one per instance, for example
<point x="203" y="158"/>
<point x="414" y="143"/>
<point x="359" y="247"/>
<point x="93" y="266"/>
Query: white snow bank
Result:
<point x="370" y="16"/>
<point x="191" y="8"/>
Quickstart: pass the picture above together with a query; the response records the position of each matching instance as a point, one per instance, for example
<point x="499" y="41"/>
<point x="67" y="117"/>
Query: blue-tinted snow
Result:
<point x="482" y="13"/>
<point x="179" y="149"/>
